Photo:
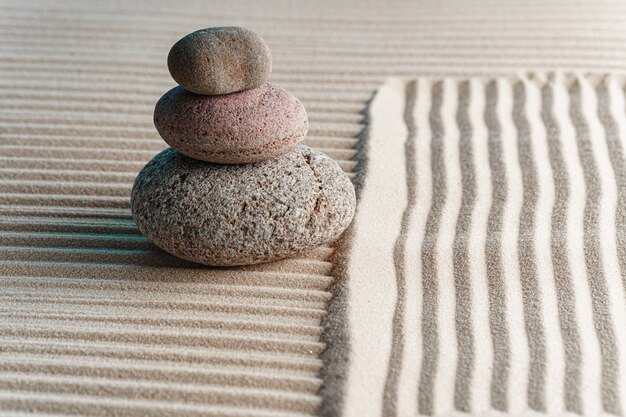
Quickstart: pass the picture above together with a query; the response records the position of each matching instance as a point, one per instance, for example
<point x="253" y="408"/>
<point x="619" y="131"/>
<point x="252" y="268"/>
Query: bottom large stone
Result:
<point x="242" y="214"/>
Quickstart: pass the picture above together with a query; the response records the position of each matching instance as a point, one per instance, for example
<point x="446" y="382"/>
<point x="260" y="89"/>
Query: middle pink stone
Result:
<point x="245" y="127"/>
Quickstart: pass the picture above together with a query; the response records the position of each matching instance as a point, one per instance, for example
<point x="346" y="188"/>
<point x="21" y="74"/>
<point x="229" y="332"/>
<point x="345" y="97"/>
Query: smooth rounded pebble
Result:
<point x="225" y="215"/>
<point x="220" y="60"/>
<point x="250" y="126"/>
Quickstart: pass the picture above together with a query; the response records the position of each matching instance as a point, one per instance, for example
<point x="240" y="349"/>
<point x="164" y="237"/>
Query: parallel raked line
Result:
<point x="354" y="18"/>
<point x="163" y="356"/>
<point x="151" y="32"/>
<point x="355" y="22"/>
<point x="153" y="289"/>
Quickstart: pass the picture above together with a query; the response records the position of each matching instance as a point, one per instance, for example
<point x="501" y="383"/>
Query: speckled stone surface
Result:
<point x="250" y="126"/>
<point x="242" y="214"/>
<point x="220" y="60"/>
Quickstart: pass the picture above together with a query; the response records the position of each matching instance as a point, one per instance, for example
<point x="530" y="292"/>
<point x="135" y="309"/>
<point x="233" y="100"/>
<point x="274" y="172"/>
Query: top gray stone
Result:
<point x="220" y="60"/>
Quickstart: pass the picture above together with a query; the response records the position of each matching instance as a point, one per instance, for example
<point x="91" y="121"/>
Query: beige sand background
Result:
<point x="93" y="319"/>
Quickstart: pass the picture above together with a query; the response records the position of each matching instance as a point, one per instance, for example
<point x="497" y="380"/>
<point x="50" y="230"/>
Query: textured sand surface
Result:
<point x="95" y="321"/>
<point x="497" y="281"/>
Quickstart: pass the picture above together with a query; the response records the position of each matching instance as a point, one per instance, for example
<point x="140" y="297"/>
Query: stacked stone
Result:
<point x="236" y="187"/>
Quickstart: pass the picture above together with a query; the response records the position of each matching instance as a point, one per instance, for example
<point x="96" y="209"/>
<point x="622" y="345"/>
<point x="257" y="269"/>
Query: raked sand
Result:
<point x="95" y="321"/>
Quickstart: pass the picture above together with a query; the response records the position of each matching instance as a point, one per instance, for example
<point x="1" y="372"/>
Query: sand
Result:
<point x="95" y="321"/>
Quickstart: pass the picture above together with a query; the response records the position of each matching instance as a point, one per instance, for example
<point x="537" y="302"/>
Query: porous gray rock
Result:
<point x="239" y="128"/>
<point x="220" y="60"/>
<point x="226" y="215"/>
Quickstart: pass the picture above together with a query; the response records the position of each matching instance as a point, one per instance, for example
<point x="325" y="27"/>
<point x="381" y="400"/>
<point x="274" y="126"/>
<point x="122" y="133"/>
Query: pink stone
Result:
<point x="244" y="127"/>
